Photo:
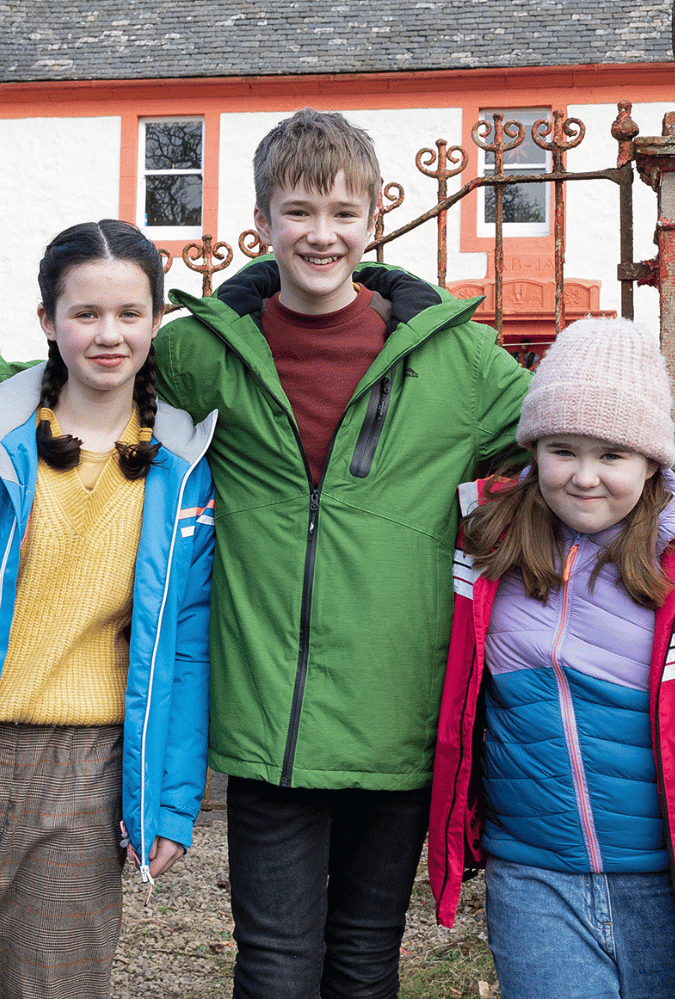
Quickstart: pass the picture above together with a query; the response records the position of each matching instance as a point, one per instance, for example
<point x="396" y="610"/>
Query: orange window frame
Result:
<point x="470" y="241"/>
<point x="130" y="128"/>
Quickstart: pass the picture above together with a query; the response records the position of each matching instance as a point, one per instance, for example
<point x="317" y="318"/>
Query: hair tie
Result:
<point x="145" y="435"/>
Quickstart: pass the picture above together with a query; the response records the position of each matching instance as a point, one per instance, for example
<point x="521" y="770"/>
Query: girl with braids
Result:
<point x="106" y="540"/>
<point x="565" y="613"/>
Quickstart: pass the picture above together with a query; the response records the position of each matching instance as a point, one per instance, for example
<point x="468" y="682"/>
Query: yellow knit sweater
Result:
<point x="68" y="652"/>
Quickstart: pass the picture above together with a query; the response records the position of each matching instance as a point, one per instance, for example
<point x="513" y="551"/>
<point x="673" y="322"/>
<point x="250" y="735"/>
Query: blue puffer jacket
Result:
<point x="166" y="714"/>
<point x="569" y="772"/>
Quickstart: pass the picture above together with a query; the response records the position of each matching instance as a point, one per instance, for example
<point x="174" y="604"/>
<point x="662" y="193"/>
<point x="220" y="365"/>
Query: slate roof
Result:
<point x="139" y="39"/>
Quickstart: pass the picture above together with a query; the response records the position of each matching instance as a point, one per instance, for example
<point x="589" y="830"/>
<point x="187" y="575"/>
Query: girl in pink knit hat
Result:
<point x="555" y="766"/>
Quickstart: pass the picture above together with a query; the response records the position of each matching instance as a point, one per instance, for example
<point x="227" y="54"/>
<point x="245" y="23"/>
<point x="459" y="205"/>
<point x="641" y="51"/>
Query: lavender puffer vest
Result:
<point x="569" y="773"/>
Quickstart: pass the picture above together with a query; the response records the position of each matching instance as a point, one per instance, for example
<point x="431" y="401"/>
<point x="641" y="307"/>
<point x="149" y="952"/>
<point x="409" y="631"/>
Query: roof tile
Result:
<point x="139" y="39"/>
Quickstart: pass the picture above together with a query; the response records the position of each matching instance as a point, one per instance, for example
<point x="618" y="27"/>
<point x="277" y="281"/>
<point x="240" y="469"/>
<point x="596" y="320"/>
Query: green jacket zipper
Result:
<point x="369" y="436"/>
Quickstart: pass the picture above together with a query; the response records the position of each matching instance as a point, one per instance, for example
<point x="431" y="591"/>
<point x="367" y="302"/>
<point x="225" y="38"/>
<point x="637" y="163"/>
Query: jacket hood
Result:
<point x="176" y="431"/>
<point x="20" y="394"/>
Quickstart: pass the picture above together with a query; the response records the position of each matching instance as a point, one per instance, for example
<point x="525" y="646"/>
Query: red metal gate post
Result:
<point x="655" y="161"/>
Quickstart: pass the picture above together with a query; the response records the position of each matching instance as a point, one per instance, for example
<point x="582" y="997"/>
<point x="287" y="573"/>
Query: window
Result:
<point x="171" y="177"/>
<point x="526" y="206"/>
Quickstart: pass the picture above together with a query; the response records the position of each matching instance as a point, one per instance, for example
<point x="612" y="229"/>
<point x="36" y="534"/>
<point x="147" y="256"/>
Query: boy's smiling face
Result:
<point x="318" y="239"/>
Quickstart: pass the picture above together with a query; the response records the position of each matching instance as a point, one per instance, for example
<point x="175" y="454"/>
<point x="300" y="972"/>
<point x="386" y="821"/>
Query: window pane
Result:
<point x="522" y="203"/>
<point x="528" y="153"/>
<point x="173" y="200"/>
<point x="173" y="146"/>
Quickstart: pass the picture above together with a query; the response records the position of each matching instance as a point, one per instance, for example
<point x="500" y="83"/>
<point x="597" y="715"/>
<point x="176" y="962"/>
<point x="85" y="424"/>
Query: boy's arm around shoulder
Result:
<point x="500" y="389"/>
<point x="188" y="356"/>
<point x="185" y="758"/>
<point x="170" y="384"/>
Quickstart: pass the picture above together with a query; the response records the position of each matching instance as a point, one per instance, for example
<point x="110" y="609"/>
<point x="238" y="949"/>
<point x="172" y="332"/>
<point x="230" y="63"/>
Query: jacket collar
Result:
<point x="419" y="310"/>
<point x="19" y="396"/>
<point x="176" y="431"/>
<point x="409" y="296"/>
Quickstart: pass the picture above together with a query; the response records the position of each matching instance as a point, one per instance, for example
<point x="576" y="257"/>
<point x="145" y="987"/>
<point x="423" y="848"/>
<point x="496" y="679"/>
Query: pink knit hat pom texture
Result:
<point x="603" y="378"/>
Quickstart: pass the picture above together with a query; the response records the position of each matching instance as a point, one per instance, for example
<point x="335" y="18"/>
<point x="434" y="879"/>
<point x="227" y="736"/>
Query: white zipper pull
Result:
<point x="147" y="878"/>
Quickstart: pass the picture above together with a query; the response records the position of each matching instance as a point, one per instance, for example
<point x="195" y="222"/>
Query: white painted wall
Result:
<point x="56" y="172"/>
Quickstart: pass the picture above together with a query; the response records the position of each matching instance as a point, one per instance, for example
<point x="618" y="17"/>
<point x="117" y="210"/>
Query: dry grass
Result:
<point x="448" y="964"/>
<point x="181" y="946"/>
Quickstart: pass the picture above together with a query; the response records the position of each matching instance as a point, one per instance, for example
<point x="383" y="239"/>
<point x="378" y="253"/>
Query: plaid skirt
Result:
<point x="60" y="860"/>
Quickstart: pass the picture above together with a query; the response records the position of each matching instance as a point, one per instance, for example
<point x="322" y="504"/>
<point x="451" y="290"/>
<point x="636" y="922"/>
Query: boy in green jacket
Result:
<point x="353" y="399"/>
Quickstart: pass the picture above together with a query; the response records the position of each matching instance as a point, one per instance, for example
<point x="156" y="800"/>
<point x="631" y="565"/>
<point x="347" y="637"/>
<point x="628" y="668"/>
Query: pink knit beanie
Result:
<point x="603" y="378"/>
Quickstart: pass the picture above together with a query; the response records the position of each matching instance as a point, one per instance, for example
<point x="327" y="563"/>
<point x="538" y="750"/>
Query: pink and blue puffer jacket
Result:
<point x="570" y="777"/>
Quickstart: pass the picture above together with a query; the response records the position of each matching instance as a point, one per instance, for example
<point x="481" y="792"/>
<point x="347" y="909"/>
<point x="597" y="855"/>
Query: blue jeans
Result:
<point x="580" y="936"/>
<point x="321" y="881"/>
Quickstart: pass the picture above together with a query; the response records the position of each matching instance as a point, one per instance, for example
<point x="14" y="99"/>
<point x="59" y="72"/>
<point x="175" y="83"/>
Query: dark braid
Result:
<point x="136" y="459"/>
<point x="59" y="452"/>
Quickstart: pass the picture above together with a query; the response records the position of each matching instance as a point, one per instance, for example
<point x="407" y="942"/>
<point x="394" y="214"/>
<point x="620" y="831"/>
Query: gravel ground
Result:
<point x="180" y="946"/>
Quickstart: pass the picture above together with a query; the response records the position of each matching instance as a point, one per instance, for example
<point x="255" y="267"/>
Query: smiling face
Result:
<point x="589" y="483"/>
<point x="318" y="239"/>
<point x="103" y="325"/>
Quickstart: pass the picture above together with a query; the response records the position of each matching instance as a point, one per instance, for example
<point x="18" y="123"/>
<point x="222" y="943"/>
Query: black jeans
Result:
<point x="321" y="882"/>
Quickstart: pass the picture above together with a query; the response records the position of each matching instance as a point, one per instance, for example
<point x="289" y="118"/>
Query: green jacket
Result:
<point x="332" y="606"/>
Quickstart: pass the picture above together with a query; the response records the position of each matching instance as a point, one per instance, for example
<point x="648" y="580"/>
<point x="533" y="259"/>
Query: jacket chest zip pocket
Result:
<point x="369" y="435"/>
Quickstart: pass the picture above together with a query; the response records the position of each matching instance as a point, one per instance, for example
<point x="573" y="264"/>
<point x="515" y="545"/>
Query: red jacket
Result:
<point x="456" y="803"/>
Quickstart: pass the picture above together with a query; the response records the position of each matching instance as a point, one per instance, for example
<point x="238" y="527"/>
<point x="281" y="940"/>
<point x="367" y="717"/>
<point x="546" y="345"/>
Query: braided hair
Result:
<point x="80" y="244"/>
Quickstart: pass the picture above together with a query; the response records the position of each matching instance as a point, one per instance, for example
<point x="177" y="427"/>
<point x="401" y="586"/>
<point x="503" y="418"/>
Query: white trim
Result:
<point x="5" y="557"/>
<point x="468" y="496"/>
<point x="463" y="575"/>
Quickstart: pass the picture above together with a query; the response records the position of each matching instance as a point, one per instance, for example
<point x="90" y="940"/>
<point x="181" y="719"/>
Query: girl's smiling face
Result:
<point x="103" y="325"/>
<point x="590" y="484"/>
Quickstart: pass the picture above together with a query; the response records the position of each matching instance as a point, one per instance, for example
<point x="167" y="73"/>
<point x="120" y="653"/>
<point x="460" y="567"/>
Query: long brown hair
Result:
<point x="515" y="527"/>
